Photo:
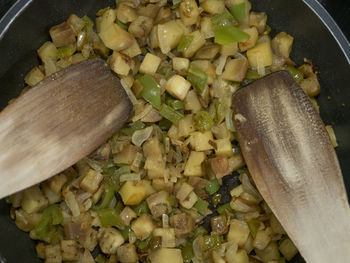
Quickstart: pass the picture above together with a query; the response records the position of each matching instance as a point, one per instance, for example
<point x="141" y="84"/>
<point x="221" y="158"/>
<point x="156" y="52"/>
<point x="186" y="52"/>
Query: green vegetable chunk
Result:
<point x="101" y="259"/>
<point x="89" y="24"/>
<point x="203" y="121"/>
<point x="137" y="125"/>
<point x="201" y="206"/>
<point x="187" y="252"/>
<point x="185" y="42"/>
<point x="65" y="51"/>
<point x="141" y="208"/>
<point x="296" y="74"/>
<point x="198" y="78"/>
<point x="170" y="114"/>
<point x="150" y="90"/>
<point x="212" y="187"/>
<point x="223" y="19"/>
<point x="199" y="231"/>
<point x="211" y="241"/>
<point x="225" y="35"/>
<point x="222" y="209"/>
<point x="216" y="199"/>
<point x="239" y="11"/>
<point x="253" y="225"/>
<point x="175" y="104"/>
<point x="110" y="217"/>
<point x="252" y="75"/>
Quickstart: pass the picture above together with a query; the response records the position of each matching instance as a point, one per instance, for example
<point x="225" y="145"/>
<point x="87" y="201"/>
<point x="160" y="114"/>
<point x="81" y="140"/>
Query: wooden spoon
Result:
<point x="58" y="122"/>
<point x="293" y="163"/>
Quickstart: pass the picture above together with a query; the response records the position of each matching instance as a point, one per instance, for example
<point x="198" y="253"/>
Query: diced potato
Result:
<point x="47" y="51"/>
<point x="40" y="250"/>
<point x="153" y="37"/>
<point x="51" y="196"/>
<point x="25" y="221"/>
<point x="181" y="65"/>
<point x="76" y="23"/>
<point x="150" y="64"/>
<point x="53" y="254"/>
<point x="178" y="86"/>
<point x="141" y="27"/>
<point x="229" y="50"/>
<point x="127" y="214"/>
<point x="238" y="232"/>
<point x="193" y="165"/>
<point x="197" y="42"/>
<point x="282" y="44"/>
<point x="253" y="33"/>
<point x="219" y="166"/>
<point x="260" y="55"/>
<point x="206" y="27"/>
<point x="143" y="226"/>
<point x="152" y="148"/>
<point x="169" y="35"/>
<point x="33" y="200"/>
<point x="288" y="249"/>
<point x="72" y="203"/>
<point x="127" y="155"/>
<point x="189" y="12"/>
<point x="169" y="255"/>
<point x="127" y="253"/>
<point x="207" y="67"/>
<point x="213" y="6"/>
<point x="235" y="69"/>
<point x="184" y="191"/>
<point x="186" y="126"/>
<point x="57" y="182"/>
<point x="258" y="20"/>
<point x="159" y="204"/>
<point x="112" y="35"/>
<point x="200" y="141"/>
<point x="34" y="76"/>
<point x="62" y="35"/>
<point x="183" y="224"/>
<point x="69" y="250"/>
<point x="155" y="165"/>
<point x="159" y="184"/>
<point x="223" y="147"/>
<point x="270" y="253"/>
<point x="120" y="63"/>
<point x="126" y="13"/>
<point x="150" y="10"/>
<point x="311" y="85"/>
<point x="133" y="193"/>
<point x="235" y="162"/>
<point x="164" y="14"/>
<point x="109" y="239"/>
<point x="331" y="135"/>
<point x="91" y="181"/>
<point x="220" y="131"/>
<point x="132" y="51"/>
<point x="261" y="240"/>
<point x="241" y="256"/>
<point x="208" y="51"/>
<point x="191" y="101"/>
<point x="190" y="200"/>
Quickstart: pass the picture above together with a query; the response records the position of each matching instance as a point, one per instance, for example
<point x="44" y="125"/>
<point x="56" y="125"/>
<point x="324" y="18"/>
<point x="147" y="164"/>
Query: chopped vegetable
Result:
<point x="197" y="78"/>
<point x="239" y="11"/>
<point x="212" y="187"/>
<point x="185" y="42"/>
<point x="150" y="90"/>
<point x="170" y="114"/>
<point x="201" y="206"/>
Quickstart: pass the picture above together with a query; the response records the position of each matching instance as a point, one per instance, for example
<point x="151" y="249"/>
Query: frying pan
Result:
<point x="25" y="27"/>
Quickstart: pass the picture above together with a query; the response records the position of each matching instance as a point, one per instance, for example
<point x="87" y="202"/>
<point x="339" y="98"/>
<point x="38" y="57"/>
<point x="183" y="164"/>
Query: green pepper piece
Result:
<point x="89" y="24"/>
<point x="216" y="199"/>
<point x="239" y="11"/>
<point x="253" y="225"/>
<point x="110" y="217"/>
<point x="252" y="75"/>
<point x="222" y="209"/>
<point x="187" y="252"/>
<point x="166" y="71"/>
<point x="184" y="43"/>
<point x="198" y="78"/>
<point x="66" y="51"/>
<point x="175" y="104"/>
<point x="122" y="25"/>
<point x="125" y="233"/>
<point x="201" y="206"/>
<point x="101" y="259"/>
<point x="223" y="19"/>
<point x="203" y="121"/>
<point x="137" y="125"/>
<point x="225" y="35"/>
<point x="150" y="90"/>
<point x="170" y="114"/>
<point x="199" y="231"/>
<point x="164" y="124"/>
<point x="212" y="187"/>
<point x="142" y="245"/>
<point x="296" y="74"/>
<point x="211" y="241"/>
<point x="107" y="198"/>
<point x="141" y="208"/>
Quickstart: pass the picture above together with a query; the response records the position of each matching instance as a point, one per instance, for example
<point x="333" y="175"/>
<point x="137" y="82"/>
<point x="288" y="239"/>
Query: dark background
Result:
<point x="339" y="10"/>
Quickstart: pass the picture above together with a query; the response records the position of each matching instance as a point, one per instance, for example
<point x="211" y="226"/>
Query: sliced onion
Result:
<point x="229" y="122"/>
<point x="221" y="64"/>
<point x="141" y="136"/>
<point x="129" y="92"/>
<point x="247" y="185"/>
<point x="143" y="113"/>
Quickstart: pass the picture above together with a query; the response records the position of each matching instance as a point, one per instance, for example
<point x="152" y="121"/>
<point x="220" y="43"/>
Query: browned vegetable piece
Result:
<point x="62" y="35"/>
<point x="220" y="166"/>
<point x="127" y="155"/>
<point x="127" y="215"/>
<point x="163" y="16"/>
<point x="158" y="204"/>
<point x="126" y="13"/>
<point x="219" y="224"/>
<point x="150" y="10"/>
<point x="183" y="224"/>
<point x="40" y="250"/>
<point x="235" y="69"/>
<point x="70" y="250"/>
<point x="127" y="253"/>
<point x="141" y="27"/>
<point x="258" y="20"/>
<point x="24" y="221"/>
<point x="311" y="85"/>
<point x="208" y="52"/>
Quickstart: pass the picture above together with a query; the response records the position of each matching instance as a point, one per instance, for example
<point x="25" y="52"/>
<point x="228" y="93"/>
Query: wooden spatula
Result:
<point x="59" y="121"/>
<point x="293" y="164"/>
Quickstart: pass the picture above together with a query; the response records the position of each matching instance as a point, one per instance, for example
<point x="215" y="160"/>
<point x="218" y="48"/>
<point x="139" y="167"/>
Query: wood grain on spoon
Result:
<point x="294" y="165"/>
<point x="59" y="121"/>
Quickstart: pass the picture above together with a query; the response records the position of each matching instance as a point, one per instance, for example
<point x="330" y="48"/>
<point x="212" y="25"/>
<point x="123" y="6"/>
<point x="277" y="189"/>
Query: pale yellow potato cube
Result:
<point x="235" y="69"/>
<point x="181" y="65"/>
<point x="191" y="101"/>
<point x="193" y="165"/>
<point x="120" y="63"/>
<point x="150" y="64"/>
<point x="169" y="35"/>
<point x="213" y="6"/>
<point x="288" y="249"/>
<point x="178" y="86"/>
<point x="197" y="42"/>
<point x="260" y="55"/>
<point x="143" y="226"/>
<point x="261" y="240"/>
<point x="223" y="147"/>
<point x="282" y="44"/>
<point x="238" y="232"/>
<point x="168" y="255"/>
<point x="189" y="201"/>
<point x="235" y="162"/>
<point x="132" y="51"/>
<point x="206" y="27"/>
<point x="189" y="12"/>
<point x="34" y="76"/>
<point x="167" y="235"/>
<point x="132" y="192"/>
<point x="91" y="181"/>
<point x="33" y="200"/>
<point x="47" y="51"/>
<point x="109" y="239"/>
<point x="186" y="126"/>
<point x="253" y="33"/>
<point x="229" y="50"/>
<point x="200" y="141"/>
<point x="241" y="256"/>
<point x="70" y="250"/>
